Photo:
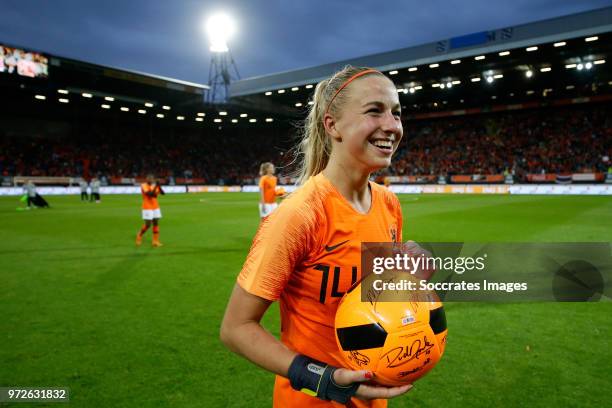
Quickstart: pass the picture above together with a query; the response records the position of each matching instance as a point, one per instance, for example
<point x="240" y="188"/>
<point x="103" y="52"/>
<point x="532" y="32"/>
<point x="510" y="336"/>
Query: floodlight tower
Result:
<point x="223" y="69"/>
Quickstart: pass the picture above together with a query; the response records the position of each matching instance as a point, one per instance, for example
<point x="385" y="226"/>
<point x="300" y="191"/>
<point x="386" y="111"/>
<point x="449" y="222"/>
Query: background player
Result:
<point x="95" y="190"/>
<point x="151" y="213"/>
<point x="306" y="254"/>
<point x="267" y="189"/>
<point x="83" y="187"/>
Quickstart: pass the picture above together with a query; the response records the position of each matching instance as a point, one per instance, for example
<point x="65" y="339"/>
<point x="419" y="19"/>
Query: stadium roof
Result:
<point x="532" y="34"/>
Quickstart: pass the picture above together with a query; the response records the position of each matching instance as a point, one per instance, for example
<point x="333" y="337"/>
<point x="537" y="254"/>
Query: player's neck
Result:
<point x="351" y="184"/>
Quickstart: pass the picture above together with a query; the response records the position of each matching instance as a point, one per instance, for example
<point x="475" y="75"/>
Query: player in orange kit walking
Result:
<point x="151" y="212"/>
<point x="267" y="189"/>
<point x="307" y="253"/>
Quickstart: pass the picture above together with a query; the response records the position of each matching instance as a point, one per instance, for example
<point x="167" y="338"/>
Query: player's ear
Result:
<point x="329" y="122"/>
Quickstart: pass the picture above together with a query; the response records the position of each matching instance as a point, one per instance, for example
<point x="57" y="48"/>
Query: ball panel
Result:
<point x="361" y="337"/>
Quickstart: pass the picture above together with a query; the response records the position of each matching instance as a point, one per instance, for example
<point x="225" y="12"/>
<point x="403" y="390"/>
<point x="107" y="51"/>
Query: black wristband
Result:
<point x="316" y="379"/>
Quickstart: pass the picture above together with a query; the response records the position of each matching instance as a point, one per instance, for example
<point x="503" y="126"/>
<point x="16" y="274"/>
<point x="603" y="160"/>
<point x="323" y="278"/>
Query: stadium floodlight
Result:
<point x="201" y="114"/>
<point x="394" y="72"/>
<point x="142" y="111"/>
<point x="530" y="92"/>
<point x="498" y="76"/>
<point x="220" y="28"/>
<point x="589" y="39"/>
<point x="125" y="109"/>
<point x="234" y="120"/>
<point x="588" y="65"/>
<point x="442" y="86"/>
<point x="529" y="73"/>
<point x="434" y="65"/>
<point x="217" y="120"/>
<point x="411" y="90"/>
<point x="504" y="53"/>
<point x="160" y="115"/>
<point x="148" y="104"/>
<point x="309" y="86"/>
<point x="310" y="102"/>
<point x="530" y="49"/>
<point x="418" y="88"/>
<point x="223" y="113"/>
<point x="479" y="57"/>
<point x="490" y="79"/>
<point x="456" y="82"/>
<point x="449" y="84"/>
<point x="86" y="95"/>
<point x="476" y="79"/>
<point x="281" y="91"/>
<point x="269" y="120"/>
<point x="580" y="67"/>
<point x="105" y="106"/>
<point x="598" y="62"/>
<point x="295" y="88"/>
<point x="412" y="69"/>
<point x="268" y="93"/>
<point x="199" y="119"/>
<point x="62" y="91"/>
<point x="253" y="120"/>
<point x="559" y="44"/>
<point x="455" y="62"/>
<point x="63" y="100"/>
<point x="109" y="98"/>
<point x="165" y="107"/>
<point x="570" y="87"/>
<point x="40" y="97"/>
<point x="180" y="118"/>
<point x="546" y="69"/>
<point x="405" y="91"/>
<point x="570" y="66"/>
<point x="243" y="115"/>
<point x="436" y="85"/>
<point x="297" y="105"/>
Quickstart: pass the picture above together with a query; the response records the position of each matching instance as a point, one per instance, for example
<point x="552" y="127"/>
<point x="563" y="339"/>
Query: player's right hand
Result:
<point x="344" y="377"/>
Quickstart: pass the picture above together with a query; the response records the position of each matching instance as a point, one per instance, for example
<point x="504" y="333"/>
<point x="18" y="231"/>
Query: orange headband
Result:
<point x="348" y="81"/>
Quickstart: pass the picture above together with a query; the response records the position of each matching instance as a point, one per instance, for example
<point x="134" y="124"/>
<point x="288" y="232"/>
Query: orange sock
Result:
<point x="143" y="230"/>
<point x="156" y="233"/>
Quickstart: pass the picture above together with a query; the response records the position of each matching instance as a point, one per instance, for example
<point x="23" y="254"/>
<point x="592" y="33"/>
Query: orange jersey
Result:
<point x="148" y="202"/>
<point x="307" y="254"/>
<point x="267" y="184"/>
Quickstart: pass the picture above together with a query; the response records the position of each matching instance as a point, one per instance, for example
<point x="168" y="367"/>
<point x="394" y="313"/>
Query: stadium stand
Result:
<point x="565" y="140"/>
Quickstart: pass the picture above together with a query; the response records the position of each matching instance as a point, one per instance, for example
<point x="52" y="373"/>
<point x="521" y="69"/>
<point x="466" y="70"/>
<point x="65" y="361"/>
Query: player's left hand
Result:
<point x="413" y="250"/>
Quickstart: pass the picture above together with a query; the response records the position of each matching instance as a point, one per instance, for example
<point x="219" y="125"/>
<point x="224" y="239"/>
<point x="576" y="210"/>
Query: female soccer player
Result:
<point x="267" y="190"/>
<point x="151" y="212"/>
<point x="306" y="254"/>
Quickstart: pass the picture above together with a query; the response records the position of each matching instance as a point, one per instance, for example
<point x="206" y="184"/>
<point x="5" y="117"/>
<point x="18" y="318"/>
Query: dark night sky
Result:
<point x="167" y="37"/>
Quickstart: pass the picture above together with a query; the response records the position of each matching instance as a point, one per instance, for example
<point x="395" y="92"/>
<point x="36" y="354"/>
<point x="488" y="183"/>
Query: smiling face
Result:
<point x="367" y="128"/>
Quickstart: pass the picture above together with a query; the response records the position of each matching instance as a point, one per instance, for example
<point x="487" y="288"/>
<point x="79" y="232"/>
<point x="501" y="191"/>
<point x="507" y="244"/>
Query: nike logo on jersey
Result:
<point x="331" y="248"/>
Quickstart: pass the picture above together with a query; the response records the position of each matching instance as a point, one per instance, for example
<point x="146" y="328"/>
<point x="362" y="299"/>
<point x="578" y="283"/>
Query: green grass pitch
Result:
<point x="82" y="307"/>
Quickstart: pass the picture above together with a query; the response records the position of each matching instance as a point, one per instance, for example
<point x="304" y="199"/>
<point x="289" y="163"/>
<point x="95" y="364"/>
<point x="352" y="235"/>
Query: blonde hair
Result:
<point x="263" y="169"/>
<point x="315" y="146"/>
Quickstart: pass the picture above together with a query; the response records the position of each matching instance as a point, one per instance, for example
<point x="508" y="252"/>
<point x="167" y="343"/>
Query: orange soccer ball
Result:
<point x="397" y="334"/>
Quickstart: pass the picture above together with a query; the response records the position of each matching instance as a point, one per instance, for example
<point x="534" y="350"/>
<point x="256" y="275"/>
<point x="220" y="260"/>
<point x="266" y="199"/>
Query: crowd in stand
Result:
<point x="550" y="140"/>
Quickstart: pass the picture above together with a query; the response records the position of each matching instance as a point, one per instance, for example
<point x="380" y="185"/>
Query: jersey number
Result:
<point x="336" y="281"/>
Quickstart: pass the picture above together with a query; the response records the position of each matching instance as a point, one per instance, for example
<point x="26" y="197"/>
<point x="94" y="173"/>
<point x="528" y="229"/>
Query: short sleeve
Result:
<point x="400" y="220"/>
<point x="281" y="243"/>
